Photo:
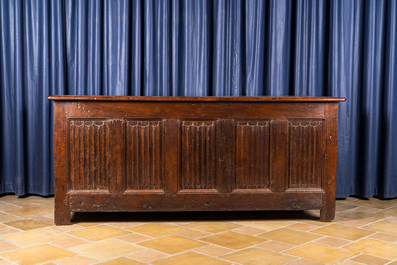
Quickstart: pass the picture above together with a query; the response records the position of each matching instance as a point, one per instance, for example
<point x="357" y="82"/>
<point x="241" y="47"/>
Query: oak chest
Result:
<point x="194" y="154"/>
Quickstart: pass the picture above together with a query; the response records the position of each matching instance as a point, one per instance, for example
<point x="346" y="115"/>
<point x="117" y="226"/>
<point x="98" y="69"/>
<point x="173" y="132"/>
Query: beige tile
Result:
<point x="275" y="246"/>
<point x="31" y="223"/>
<point x="384" y="237"/>
<point x="134" y="238"/>
<point x="393" y="263"/>
<point x="8" y="218"/>
<point x="375" y="247"/>
<point x="36" y="255"/>
<point x="345" y="232"/>
<point x="213" y="227"/>
<point x="8" y="230"/>
<point x="76" y="260"/>
<point x="266" y="225"/>
<point x="290" y="236"/>
<point x="305" y="262"/>
<point x="99" y="232"/>
<point x="157" y="229"/>
<point x="233" y="240"/>
<point x="302" y="226"/>
<point x="249" y="230"/>
<point x="332" y="241"/>
<point x="321" y="253"/>
<point x="194" y="234"/>
<point x="172" y="244"/>
<point x="31" y="211"/>
<point x="214" y="251"/>
<point x="368" y="259"/>
<point x="34" y="237"/>
<point x="7" y="246"/>
<point x="190" y="258"/>
<point x="106" y="249"/>
<point x="11" y="263"/>
<point x="383" y="226"/>
<point x="147" y="255"/>
<point x="29" y="201"/>
<point x="70" y="242"/>
<point x="121" y="261"/>
<point x="256" y="256"/>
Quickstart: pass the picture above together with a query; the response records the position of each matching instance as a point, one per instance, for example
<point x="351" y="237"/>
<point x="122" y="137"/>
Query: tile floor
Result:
<point x="363" y="232"/>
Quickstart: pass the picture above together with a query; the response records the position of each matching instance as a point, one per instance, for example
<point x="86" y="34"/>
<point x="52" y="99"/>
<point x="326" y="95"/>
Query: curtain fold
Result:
<point x="344" y="48"/>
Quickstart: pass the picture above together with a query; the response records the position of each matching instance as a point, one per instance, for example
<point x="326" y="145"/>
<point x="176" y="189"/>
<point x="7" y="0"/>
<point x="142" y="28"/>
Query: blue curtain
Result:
<point x="345" y="48"/>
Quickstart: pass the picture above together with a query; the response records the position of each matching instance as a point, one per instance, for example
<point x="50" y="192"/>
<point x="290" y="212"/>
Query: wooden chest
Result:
<point x="194" y="154"/>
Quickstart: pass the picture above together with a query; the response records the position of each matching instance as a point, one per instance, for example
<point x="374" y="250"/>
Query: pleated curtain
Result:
<point x="344" y="48"/>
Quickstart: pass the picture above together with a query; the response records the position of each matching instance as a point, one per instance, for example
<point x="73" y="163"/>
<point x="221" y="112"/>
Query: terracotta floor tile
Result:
<point x="345" y="232"/>
<point x="8" y="230"/>
<point x="349" y="262"/>
<point x="76" y="260"/>
<point x="365" y="209"/>
<point x="31" y="223"/>
<point x="157" y="229"/>
<point x="275" y="246"/>
<point x="31" y="211"/>
<point x="384" y="237"/>
<point x="249" y="230"/>
<point x="99" y="232"/>
<point x="321" y="253"/>
<point x="393" y="263"/>
<point x="11" y="263"/>
<point x="357" y="215"/>
<point x="371" y="260"/>
<point x="121" y="261"/>
<point x="194" y="234"/>
<point x="332" y="241"/>
<point x="8" y="218"/>
<point x="375" y="203"/>
<point x="190" y="258"/>
<point x="213" y="227"/>
<point x="353" y="223"/>
<point x="214" y="251"/>
<point x="65" y="228"/>
<point x="233" y="240"/>
<point x="36" y="255"/>
<point x="134" y="238"/>
<point x="106" y="249"/>
<point x="290" y="236"/>
<point x="383" y="226"/>
<point x="305" y="262"/>
<point x="147" y="255"/>
<point x="266" y="225"/>
<point x="70" y="242"/>
<point x="124" y="224"/>
<point x="171" y="244"/>
<point x="4" y="206"/>
<point x="343" y="206"/>
<point x="257" y="256"/>
<point x="302" y="226"/>
<point x="389" y="212"/>
<point x="7" y="246"/>
<point x="375" y="247"/>
<point x="34" y="237"/>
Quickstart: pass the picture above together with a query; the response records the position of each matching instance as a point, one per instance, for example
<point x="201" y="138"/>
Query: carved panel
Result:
<point x="88" y="147"/>
<point x="306" y="153"/>
<point x="143" y="154"/>
<point x="198" y="154"/>
<point x="252" y="154"/>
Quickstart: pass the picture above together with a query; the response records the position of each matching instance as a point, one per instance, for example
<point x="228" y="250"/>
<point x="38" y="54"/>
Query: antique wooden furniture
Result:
<point x="194" y="154"/>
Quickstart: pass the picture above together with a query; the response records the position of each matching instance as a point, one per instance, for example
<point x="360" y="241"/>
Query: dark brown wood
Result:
<point x="194" y="154"/>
